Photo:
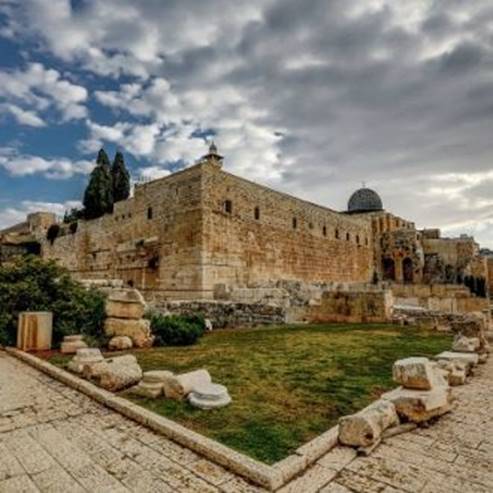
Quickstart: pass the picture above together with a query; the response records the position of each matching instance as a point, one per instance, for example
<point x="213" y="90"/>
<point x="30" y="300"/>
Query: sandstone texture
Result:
<point x="463" y="344"/>
<point x="120" y="343"/>
<point x="139" y="331"/>
<point x="365" y="428"/>
<point x="152" y="384"/>
<point x="415" y="373"/>
<point x="115" y="374"/>
<point x="85" y="357"/>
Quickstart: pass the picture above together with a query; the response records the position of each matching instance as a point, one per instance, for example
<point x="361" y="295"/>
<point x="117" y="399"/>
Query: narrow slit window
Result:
<point x="149" y="213"/>
<point x="228" y="207"/>
<point x="256" y="213"/>
<point x="348" y="237"/>
<point x="324" y="230"/>
<point x="295" y="223"/>
<point x="337" y="234"/>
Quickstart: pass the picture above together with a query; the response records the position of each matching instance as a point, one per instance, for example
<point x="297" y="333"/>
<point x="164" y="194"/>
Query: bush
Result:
<point x="73" y="227"/>
<point x="32" y="284"/>
<point x="52" y="233"/>
<point x="176" y="330"/>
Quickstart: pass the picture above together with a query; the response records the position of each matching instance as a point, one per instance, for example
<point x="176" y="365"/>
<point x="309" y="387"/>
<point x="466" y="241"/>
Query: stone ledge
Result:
<point x="269" y="477"/>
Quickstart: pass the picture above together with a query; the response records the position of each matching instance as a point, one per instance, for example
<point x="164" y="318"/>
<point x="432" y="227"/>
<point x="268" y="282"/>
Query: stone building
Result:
<point x="202" y="230"/>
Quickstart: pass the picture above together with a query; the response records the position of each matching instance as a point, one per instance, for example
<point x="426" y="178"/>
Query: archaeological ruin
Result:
<point x="202" y="235"/>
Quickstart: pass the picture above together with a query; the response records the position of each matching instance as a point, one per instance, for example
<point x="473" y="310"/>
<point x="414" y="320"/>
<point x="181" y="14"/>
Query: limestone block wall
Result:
<point x="151" y="241"/>
<point x="253" y="234"/>
<point x="352" y="307"/>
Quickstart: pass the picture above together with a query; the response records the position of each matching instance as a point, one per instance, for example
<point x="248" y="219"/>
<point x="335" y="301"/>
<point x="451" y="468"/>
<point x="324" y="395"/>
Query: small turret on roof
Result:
<point x="213" y="155"/>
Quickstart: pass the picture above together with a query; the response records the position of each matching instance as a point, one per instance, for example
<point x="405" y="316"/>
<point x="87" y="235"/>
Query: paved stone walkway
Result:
<point x="54" y="439"/>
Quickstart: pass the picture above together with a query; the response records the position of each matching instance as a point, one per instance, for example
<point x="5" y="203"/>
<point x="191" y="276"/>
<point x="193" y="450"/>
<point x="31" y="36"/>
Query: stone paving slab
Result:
<point x="55" y="439"/>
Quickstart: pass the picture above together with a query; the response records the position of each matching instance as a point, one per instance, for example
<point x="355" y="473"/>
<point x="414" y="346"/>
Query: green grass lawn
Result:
<point x="288" y="384"/>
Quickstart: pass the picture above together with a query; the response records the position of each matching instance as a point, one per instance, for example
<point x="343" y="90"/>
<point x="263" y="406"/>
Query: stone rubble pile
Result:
<point x="114" y="374"/>
<point x="125" y="309"/>
<point x="177" y="387"/>
<point x="120" y="343"/>
<point x="71" y="343"/>
<point x="424" y="392"/>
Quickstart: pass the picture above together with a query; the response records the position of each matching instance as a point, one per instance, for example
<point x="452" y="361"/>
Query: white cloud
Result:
<point x="14" y="215"/>
<point x="56" y="168"/>
<point x="24" y="117"/>
<point x="39" y="88"/>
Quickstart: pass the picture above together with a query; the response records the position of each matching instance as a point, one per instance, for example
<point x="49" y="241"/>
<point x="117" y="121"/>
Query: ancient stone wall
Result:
<point x="151" y="241"/>
<point x="352" y="307"/>
<point x="253" y="234"/>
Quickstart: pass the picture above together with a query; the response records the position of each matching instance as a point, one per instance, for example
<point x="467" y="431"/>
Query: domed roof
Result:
<point x="365" y="200"/>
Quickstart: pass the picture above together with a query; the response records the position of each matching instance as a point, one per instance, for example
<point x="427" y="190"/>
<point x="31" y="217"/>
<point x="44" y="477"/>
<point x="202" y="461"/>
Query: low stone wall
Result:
<point x="352" y="307"/>
<point x="225" y="314"/>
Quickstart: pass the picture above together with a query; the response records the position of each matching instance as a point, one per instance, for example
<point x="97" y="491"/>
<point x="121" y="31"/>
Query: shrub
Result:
<point x="52" y="233"/>
<point x="176" y="330"/>
<point x="32" y="284"/>
<point x="73" y="227"/>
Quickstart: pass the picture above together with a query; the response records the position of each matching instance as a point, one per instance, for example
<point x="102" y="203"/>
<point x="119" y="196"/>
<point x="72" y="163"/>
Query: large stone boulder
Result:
<point x="177" y="387"/>
<point x="464" y="344"/>
<point x="419" y="405"/>
<point x="416" y="373"/>
<point x="138" y="330"/>
<point x="85" y="357"/>
<point x="115" y="374"/>
<point x="365" y="428"/>
<point x="125" y="303"/>
<point x="469" y="359"/>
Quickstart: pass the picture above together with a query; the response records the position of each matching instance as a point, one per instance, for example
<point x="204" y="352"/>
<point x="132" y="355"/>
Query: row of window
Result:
<point x="228" y="209"/>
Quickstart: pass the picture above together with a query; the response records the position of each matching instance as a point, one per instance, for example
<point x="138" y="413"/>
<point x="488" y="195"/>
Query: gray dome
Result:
<point x="365" y="200"/>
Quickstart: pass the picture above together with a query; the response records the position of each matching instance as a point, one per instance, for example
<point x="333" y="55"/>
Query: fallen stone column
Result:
<point x="115" y="374"/>
<point x="72" y="343"/>
<point x="85" y="357"/>
<point x="365" y="428"/>
<point x="179" y="386"/>
<point x="152" y="384"/>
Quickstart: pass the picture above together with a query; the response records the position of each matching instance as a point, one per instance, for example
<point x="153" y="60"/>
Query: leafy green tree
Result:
<point x="98" y="197"/>
<point x="32" y="284"/>
<point x="121" y="178"/>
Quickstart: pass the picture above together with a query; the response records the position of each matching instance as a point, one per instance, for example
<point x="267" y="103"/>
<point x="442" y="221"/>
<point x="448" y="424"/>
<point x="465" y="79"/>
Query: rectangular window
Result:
<point x="149" y="213"/>
<point x="295" y="223"/>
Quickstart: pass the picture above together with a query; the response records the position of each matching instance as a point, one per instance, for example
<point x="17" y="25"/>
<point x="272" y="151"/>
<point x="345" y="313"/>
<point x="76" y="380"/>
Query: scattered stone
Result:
<point x="415" y="373"/>
<point x="115" y="374"/>
<point x="482" y="358"/>
<point x="125" y="303"/>
<point x="419" y="406"/>
<point x="464" y="344"/>
<point x="138" y="330"/>
<point x="120" y="343"/>
<point x="151" y="385"/>
<point x="469" y="359"/>
<point x="209" y="396"/>
<point x="365" y="428"/>
<point x="456" y="371"/>
<point x="72" y="343"/>
<point x="208" y="324"/>
<point x="85" y="357"/>
<point x="177" y="387"/>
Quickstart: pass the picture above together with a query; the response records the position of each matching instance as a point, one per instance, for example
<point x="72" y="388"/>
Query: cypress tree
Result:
<point x="121" y="178"/>
<point x="98" y="197"/>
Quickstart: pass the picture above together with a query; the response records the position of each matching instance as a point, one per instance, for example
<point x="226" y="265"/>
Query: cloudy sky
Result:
<point x="311" y="97"/>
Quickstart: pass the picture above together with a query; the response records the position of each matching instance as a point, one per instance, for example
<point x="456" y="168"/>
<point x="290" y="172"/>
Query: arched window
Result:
<point x="295" y="223"/>
<point x="408" y="270"/>
<point x="388" y="265"/>
<point x="149" y="213"/>
<point x="256" y="213"/>
<point x="337" y="234"/>
<point x="228" y="207"/>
